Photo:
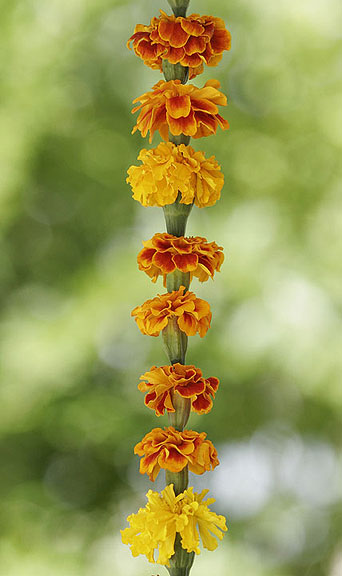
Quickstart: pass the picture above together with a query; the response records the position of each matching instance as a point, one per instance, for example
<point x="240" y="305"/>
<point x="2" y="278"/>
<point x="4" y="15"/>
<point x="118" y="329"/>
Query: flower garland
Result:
<point x="174" y="176"/>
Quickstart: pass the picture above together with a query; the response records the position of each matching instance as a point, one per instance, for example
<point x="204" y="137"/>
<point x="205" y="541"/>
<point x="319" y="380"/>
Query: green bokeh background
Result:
<point x="70" y="354"/>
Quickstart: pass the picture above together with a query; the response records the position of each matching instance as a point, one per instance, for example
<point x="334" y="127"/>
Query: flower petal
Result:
<point x="178" y="106"/>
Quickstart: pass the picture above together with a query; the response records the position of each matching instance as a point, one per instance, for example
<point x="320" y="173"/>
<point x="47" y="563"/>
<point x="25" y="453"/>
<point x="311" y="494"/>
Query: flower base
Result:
<point x="179" y="7"/>
<point x="175" y="72"/>
<point x="176" y="217"/>
<point x="182" y="561"/>
<point x="180" y="571"/>
<point x="175" y="342"/>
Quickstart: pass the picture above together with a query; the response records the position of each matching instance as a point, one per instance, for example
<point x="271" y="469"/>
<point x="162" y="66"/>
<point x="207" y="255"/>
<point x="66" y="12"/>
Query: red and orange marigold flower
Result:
<point x="192" y="314"/>
<point x="160" y="385"/>
<point x="173" y="450"/>
<point x="191" y="41"/>
<point x="180" y="109"/>
<point x="169" y="170"/>
<point x="164" y="254"/>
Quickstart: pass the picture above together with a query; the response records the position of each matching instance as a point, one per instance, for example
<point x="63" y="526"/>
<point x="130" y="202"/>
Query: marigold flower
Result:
<point x="180" y="108"/>
<point x="186" y="380"/>
<point x="169" y="170"/>
<point x="192" y="314"/>
<point x="164" y="254"/>
<point x="173" y="450"/>
<point x="191" y="41"/>
<point x="154" y="528"/>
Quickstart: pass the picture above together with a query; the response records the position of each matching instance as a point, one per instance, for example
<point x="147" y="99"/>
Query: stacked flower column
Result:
<point x="174" y="176"/>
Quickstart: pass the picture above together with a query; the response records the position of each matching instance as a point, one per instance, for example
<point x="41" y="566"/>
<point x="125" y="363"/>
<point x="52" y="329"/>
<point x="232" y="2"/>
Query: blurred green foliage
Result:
<point x="71" y="357"/>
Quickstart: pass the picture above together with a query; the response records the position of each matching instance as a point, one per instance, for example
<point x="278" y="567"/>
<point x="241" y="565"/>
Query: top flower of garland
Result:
<point x="182" y="109"/>
<point x="191" y="41"/>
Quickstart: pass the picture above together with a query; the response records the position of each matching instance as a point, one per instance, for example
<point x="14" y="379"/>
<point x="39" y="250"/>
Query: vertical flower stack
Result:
<point x="174" y="176"/>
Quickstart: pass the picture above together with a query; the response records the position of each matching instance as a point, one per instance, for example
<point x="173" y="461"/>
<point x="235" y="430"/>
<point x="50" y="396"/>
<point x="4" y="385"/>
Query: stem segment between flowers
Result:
<point x="179" y="7"/>
<point x="179" y="481"/>
<point x="175" y="72"/>
<point x="176" y="217"/>
<point x="181" y="563"/>
<point x="177" y="279"/>
<point x="175" y="341"/>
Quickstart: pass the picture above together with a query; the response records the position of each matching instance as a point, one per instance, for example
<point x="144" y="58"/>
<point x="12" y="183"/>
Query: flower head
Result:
<point x="160" y="385"/>
<point x="180" y="108"/>
<point x="191" y="41"/>
<point x="154" y="528"/>
<point x="169" y="170"/>
<point x="173" y="450"/>
<point x="192" y="314"/>
<point x="164" y="254"/>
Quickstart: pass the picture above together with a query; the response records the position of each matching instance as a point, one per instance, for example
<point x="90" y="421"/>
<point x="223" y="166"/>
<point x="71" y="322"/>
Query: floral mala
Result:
<point x="175" y="176"/>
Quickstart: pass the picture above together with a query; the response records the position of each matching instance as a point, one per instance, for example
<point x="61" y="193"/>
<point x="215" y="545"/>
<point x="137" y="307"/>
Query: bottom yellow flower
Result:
<point x="154" y="527"/>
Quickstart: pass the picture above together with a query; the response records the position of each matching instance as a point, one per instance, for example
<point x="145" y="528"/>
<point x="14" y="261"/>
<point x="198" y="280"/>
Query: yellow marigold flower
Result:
<point x="180" y="109"/>
<point x="191" y="41"/>
<point x="192" y="314"/>
<point x="164" y="254"/>
<point x="173" y="450"/>
<point x="169" y="170"/>
<point x="153" y="529"/>
<point x="162" y="383"/>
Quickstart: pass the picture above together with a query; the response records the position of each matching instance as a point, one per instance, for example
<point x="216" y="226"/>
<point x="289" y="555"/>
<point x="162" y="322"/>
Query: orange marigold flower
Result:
<point x="164" y="254"/>
<point x="173" y="450"/>
<point x="169" y="170"/>
<point x="192" y="314"/>
<point x="162" y="383"/>
<point x="180" y="108"/>
<point x="191" y="41"/>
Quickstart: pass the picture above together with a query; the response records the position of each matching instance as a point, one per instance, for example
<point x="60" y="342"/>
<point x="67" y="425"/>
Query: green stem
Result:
<point x="179" y="418"/>
<point x="178" y="479"/>
<point x="181" y="561"/>
<point x="179" y="7"/>
<point x="175" y="342"/>
<point x="177" y="279"/>
<point x="175" y="72"/>
<point x="180" y="139"/>
<point x="176" y="217"/>
<point x="180" y="570"/>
